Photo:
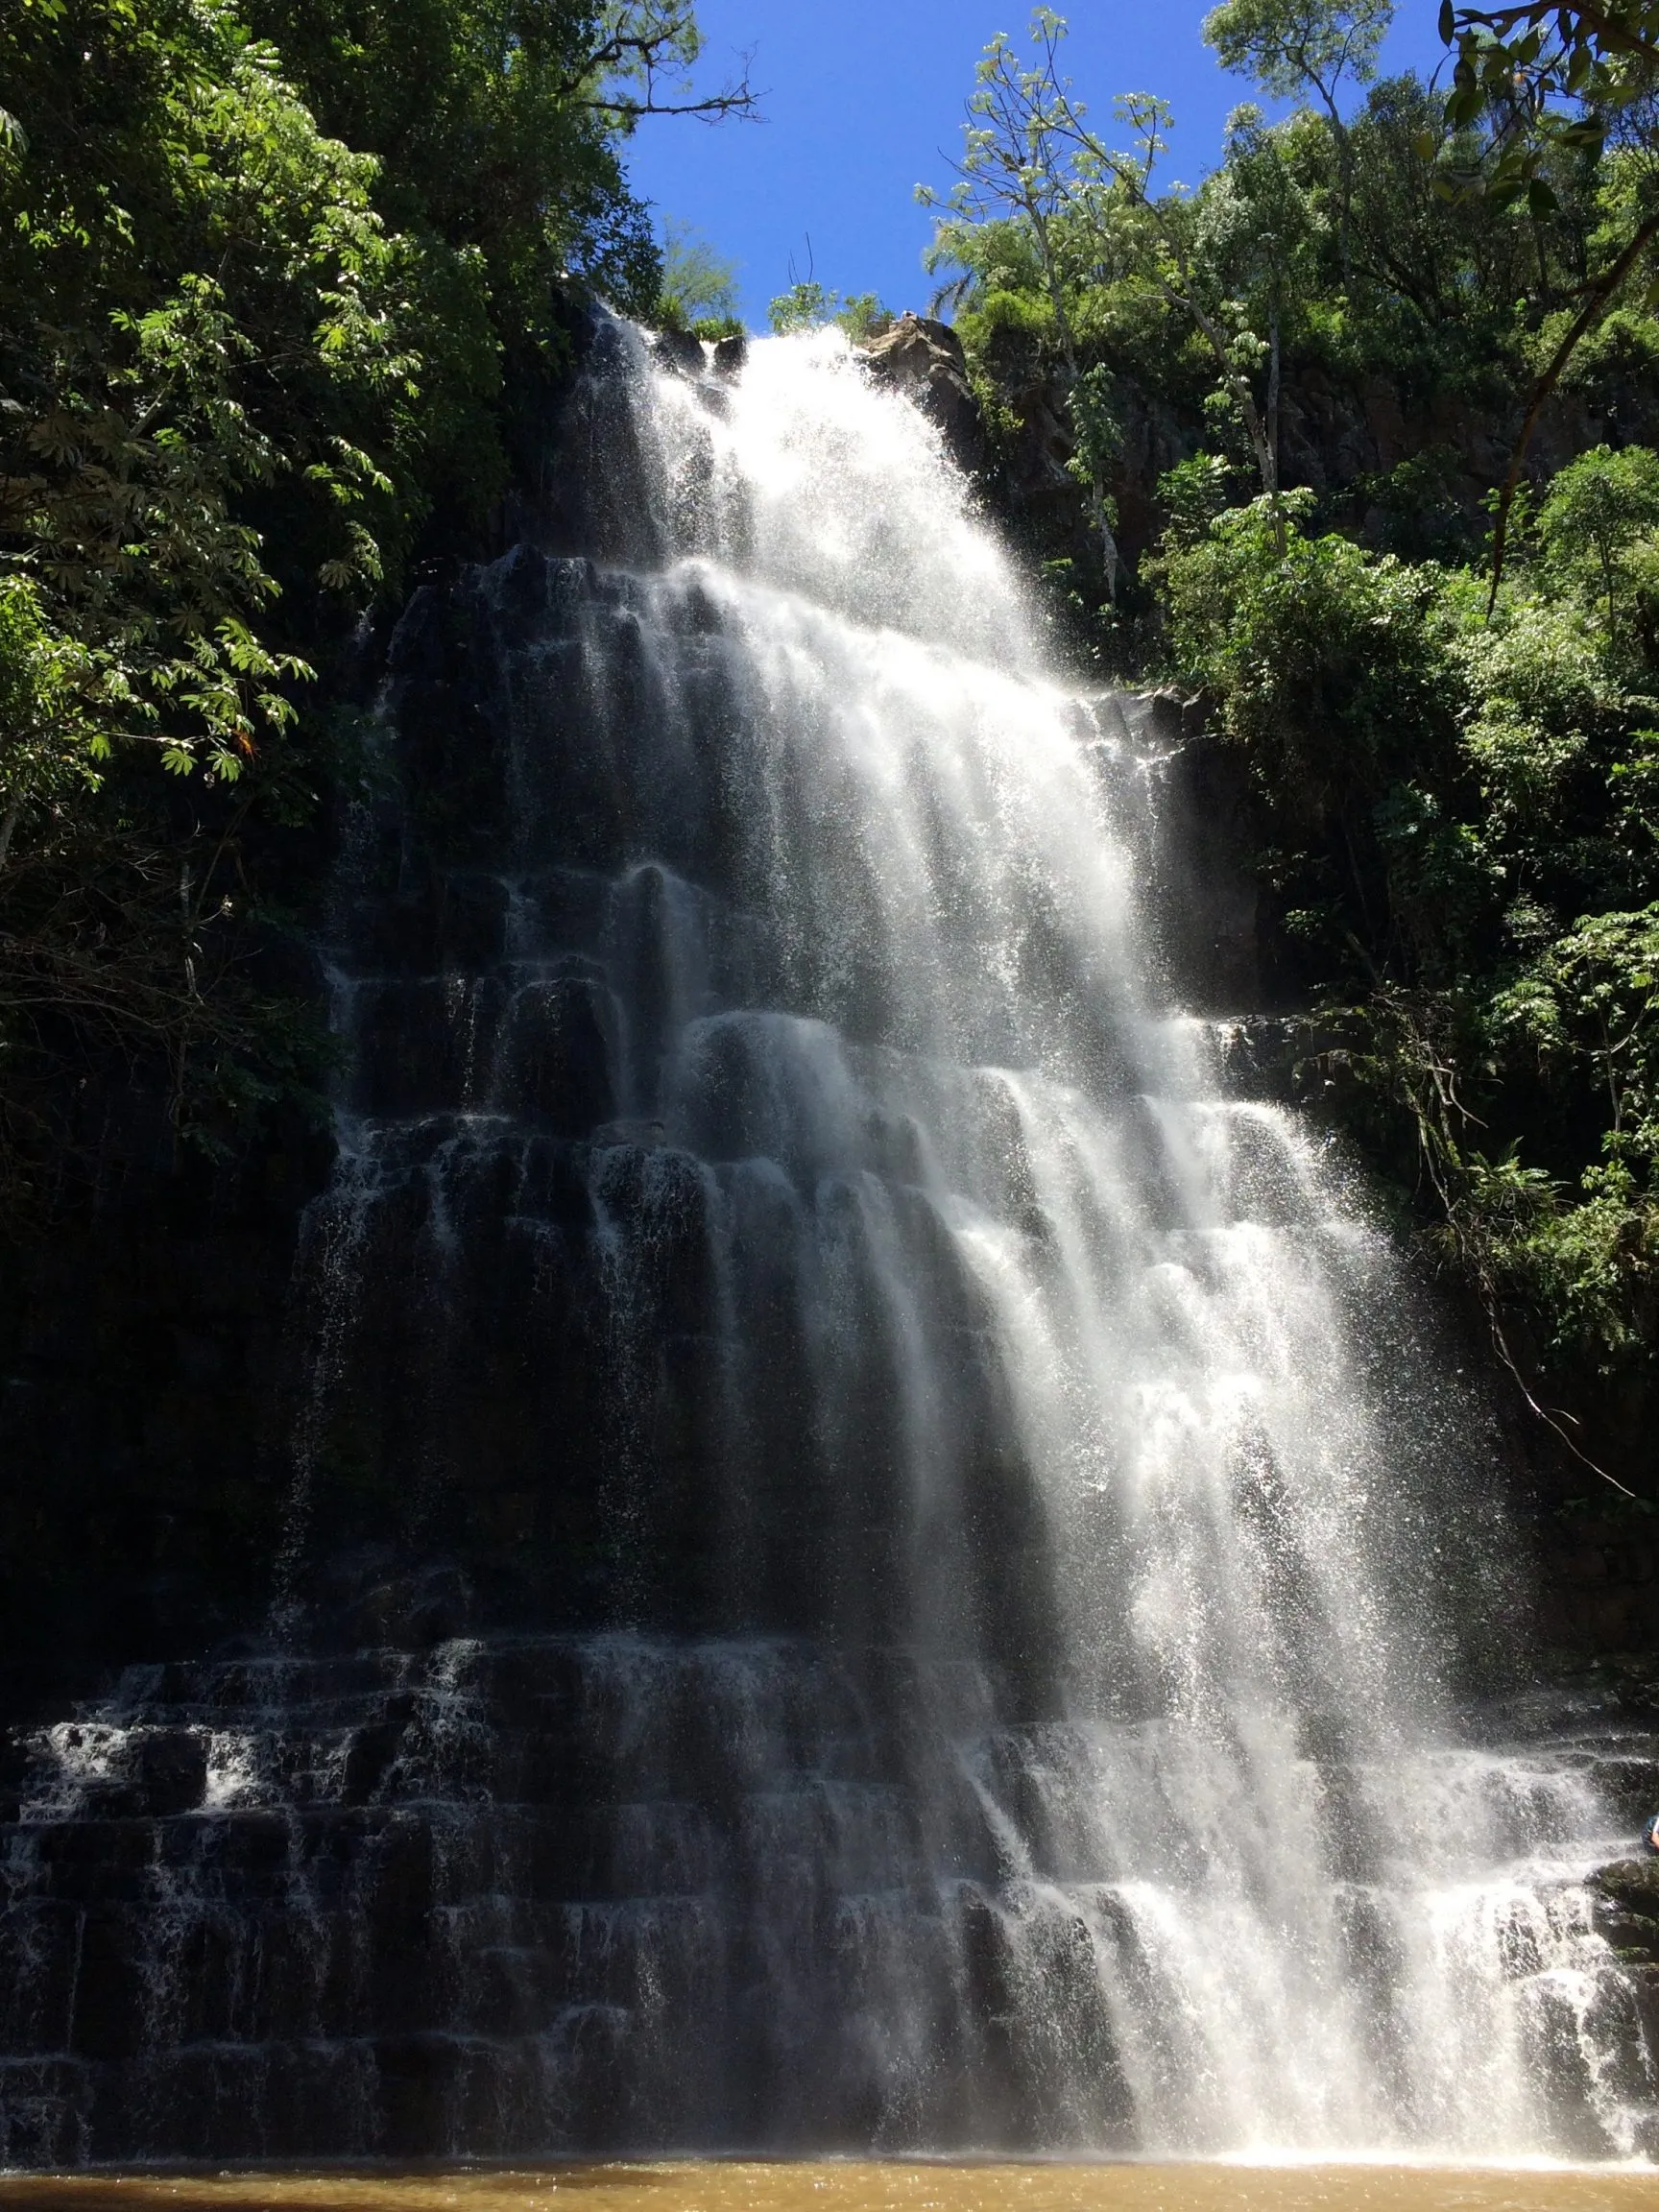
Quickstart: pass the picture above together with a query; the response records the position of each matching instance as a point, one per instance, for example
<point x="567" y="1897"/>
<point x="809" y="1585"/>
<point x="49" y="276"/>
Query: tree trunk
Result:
<point x="1110" y="558"/>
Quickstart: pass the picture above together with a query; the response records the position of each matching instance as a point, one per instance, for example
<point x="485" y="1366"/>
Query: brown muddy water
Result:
<point x="856" y="2186"/>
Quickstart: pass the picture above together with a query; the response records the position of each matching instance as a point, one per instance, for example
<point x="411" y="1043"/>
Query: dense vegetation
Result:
<point x="1259" y="431"/>
<point x="278" y="278"/>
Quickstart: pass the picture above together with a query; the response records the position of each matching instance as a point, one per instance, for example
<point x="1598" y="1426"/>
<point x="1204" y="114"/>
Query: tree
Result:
<point x="198" y="307"/>
<point x="498" y="125"/>
<point x="1552" y="78"/>
<point x="807" y="305"/>
<point x="1089" y="206"/>
<point x="1255" y="235"/>
<point x="698" y="284"/>
<point x="243" y="357"/>
<point x="1005" y="178"/>
<point x="1020" y="168"/>
<point x="1598" y="509"/>
<point x="1290" y="47"/>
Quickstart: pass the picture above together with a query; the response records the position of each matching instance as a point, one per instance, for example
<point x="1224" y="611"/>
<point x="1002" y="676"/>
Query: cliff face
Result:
<point x="143" y="1354"/>
<point x="1341" y="437"/>
<point x="147" y="1354"/>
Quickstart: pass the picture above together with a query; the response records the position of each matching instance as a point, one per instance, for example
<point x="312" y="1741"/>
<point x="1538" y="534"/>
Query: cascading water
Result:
<point x="864" y="1550"/>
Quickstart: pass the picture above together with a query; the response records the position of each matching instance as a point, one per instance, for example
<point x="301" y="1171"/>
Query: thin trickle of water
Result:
<point x="875" y="1555"/>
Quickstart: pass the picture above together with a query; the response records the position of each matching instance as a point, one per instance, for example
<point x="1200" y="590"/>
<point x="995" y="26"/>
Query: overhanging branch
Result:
<point x="657" y="58"/>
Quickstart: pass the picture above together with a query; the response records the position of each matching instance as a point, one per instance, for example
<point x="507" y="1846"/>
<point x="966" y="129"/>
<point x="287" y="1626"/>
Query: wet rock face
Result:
<point x="547" y="1894"/>
<point x="1626" y="1917"/>
<point x="1631" y="1885"/>
<point x="1211" y="945"/>
<point x="773" y="1534"/>
<point x="558" y="1306"/>
<point x="1603" y="1574"/>
<point x="471" y="1901"/>
<point x="923" y="360"/>
<point x="144" y="1352"/>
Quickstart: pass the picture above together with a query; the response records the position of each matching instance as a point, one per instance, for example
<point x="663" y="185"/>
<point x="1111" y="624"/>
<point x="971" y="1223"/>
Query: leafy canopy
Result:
<point x="265" y="266"/>
<point x="1289" y="46"/>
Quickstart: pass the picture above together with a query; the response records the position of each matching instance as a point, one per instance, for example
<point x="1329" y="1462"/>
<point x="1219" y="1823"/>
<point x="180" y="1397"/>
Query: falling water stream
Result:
<point x="874" y="1563"/>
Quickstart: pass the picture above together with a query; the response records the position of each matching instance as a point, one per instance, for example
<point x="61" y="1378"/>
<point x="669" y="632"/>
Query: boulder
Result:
<point x="1633" y="1883"/>
<point x="1627" y="1909"/>
<point x="680" y="351"/>
<point x="923" y="359"/>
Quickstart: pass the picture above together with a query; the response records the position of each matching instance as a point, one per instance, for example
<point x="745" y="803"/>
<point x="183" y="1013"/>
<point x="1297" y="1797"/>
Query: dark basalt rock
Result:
<point x="923" y="359"/>
<point x="1627" y="1915"/>
<point x="448" y="1902"/>
<point x="1632" y="1883"/>
<point x="681" y="352"/>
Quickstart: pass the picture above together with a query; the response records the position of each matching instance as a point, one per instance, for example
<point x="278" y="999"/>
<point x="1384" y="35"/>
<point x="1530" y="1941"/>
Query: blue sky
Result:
<point x="864" y="101"/>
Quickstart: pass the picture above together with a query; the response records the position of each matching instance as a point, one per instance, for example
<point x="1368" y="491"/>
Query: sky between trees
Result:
<point x="863" y="101"/>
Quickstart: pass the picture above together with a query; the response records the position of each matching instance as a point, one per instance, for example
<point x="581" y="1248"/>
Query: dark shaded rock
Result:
<point x="680" y="351"/>
<point x="108" y="2020"/>
<point x="1176" y="717"/>
<point x="424" y="1044"/>
<point x="557" y="1056"/>
<point x="1633" y="1883"/>
<point x="1206" y="897"/>
<point x="923" y="359"/>
<point x="173" y="1770"/>
<point x="1627" y="1910"/>
<point x="730" y="356"/>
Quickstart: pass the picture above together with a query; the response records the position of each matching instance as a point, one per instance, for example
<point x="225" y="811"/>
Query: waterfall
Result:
<point x="874" y="1561"/>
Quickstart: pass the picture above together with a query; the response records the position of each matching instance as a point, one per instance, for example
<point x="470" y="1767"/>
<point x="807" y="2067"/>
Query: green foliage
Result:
<point x="1417" y="502"/>
<point x="1289" y="45"/>
<point x="1319" y="657"/>
<point x="497" y="124"/>
<point x="1194" y="495"/>
<point x="1600" y="519"/>
<point x="1594" y="992"/>
<point x="261" y="268"/>
<point x="863" y="317"/>
<point x="698" y="288"/>
<point x="1553" y="79"/>
<point x="225" y="325"/>
<point x="1460" y="813"/>
<point x="1260" y="225"/>
<point x="1339" y="245"/>
<point x="52" y="744"/>
<point x="807" y="305"/>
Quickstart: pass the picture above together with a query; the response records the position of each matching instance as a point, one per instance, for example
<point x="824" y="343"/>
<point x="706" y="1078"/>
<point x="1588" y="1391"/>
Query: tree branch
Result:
<point x="647" y="53"/>
<point x="1503" y="22"/>
<point x="738" y="101"/>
